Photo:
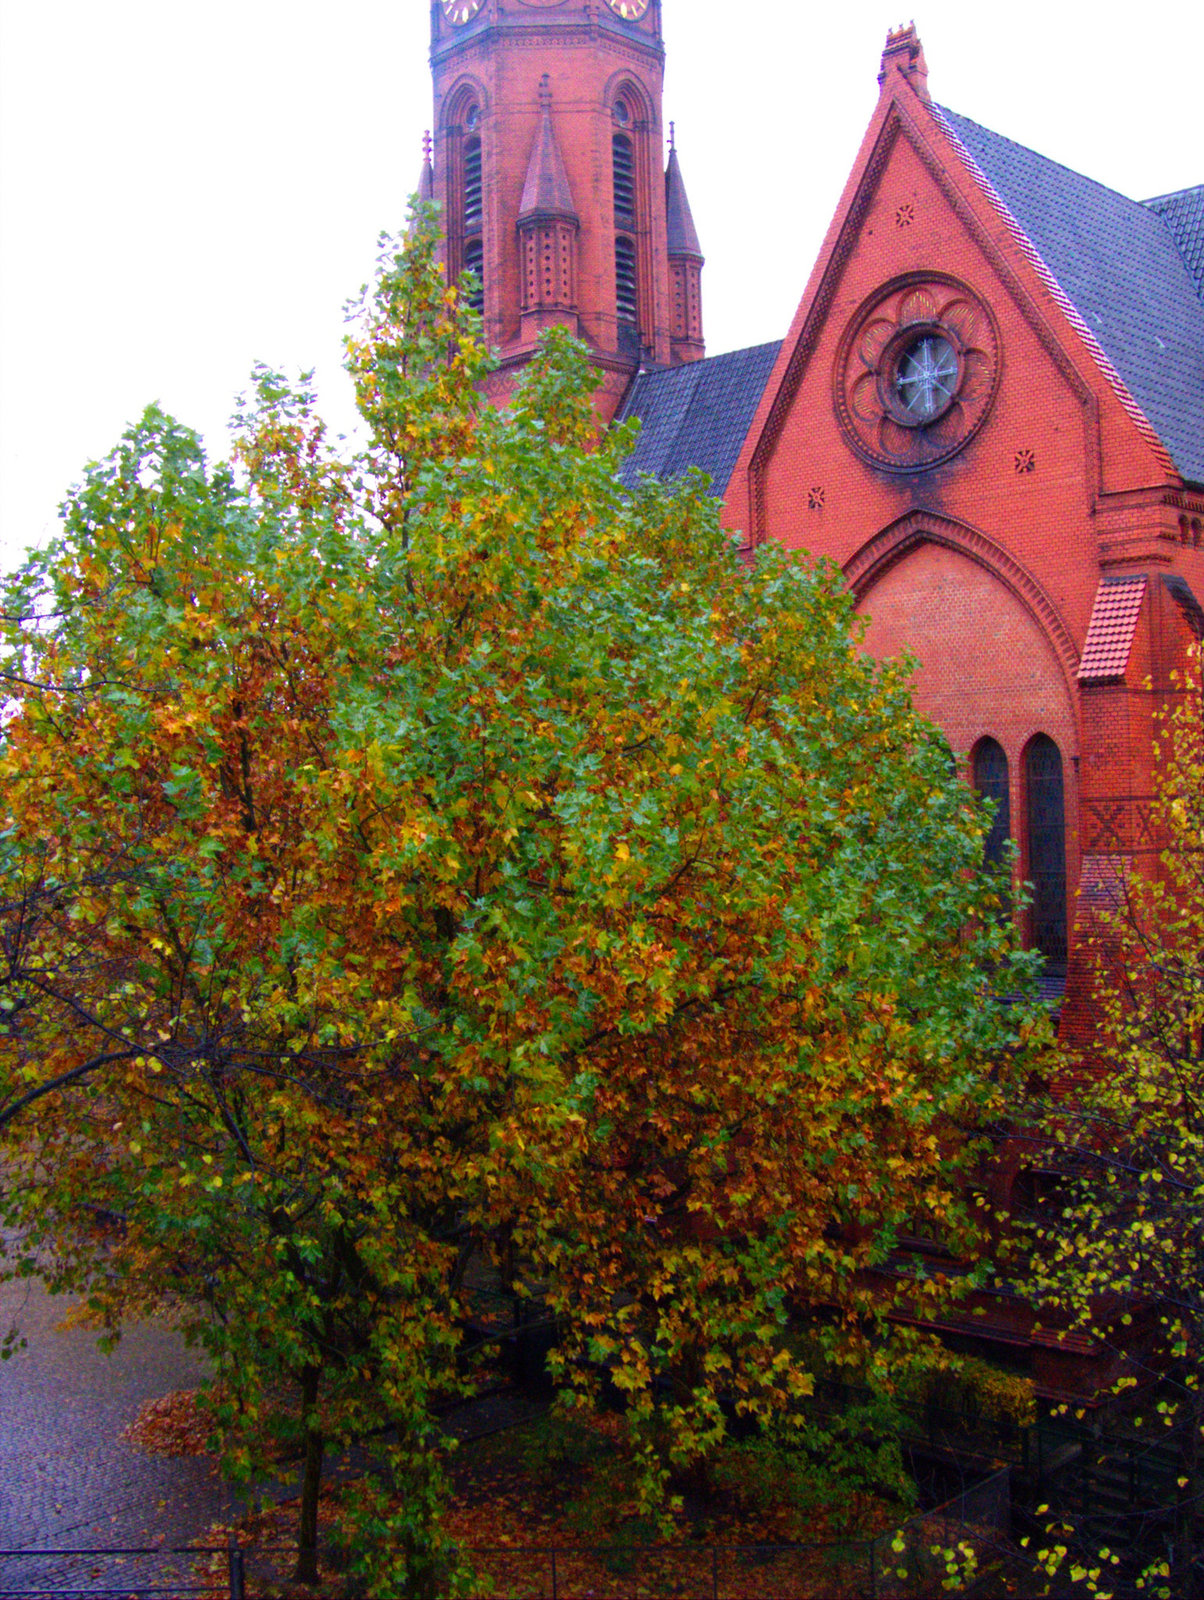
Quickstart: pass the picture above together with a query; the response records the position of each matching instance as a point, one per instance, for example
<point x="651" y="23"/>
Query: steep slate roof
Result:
<point x="696" y="415"/>
<point x="682" y="234"/>
<point x="1131" y="271"/>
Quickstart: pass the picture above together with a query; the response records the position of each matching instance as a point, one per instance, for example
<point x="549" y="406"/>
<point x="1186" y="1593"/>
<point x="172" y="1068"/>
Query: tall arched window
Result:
<point x="1047" y="847"/>
<point x="471" y="214"/>
<point x="463" y="155"/>
<point x="990" y="775"/>
<point x="627" y="271"/>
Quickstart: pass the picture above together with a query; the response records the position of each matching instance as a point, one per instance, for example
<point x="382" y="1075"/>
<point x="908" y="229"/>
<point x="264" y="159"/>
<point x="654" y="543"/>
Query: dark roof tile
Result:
<point x="696" y="415"/>
<point x="1183" y="213"/>
<point x="1126" y="269"/>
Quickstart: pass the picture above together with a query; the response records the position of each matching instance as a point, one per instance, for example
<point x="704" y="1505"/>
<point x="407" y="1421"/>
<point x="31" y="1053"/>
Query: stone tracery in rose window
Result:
<point x="916" y="372"/>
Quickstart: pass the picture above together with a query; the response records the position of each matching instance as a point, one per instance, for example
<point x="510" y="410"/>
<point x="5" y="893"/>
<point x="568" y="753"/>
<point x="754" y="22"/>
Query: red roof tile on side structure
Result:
<point x="1113" y="624"/>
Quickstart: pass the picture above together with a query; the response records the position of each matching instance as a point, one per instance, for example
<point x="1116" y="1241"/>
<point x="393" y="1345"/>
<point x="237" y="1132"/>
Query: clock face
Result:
<point x="460" y="11"/>
<point x="630" y="10"/>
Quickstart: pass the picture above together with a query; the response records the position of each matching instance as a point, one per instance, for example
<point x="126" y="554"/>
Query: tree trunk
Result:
<point x="311" y="1483"/>
<point x="696" y="1478"/>
<point x="419" y="1487"/>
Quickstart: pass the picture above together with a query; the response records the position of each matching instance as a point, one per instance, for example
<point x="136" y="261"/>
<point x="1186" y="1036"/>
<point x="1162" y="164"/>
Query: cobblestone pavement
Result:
<point x="66" y="1477"/>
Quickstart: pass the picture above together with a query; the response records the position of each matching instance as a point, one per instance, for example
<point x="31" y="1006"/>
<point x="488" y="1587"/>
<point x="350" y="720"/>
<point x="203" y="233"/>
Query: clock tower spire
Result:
<point x="550" y="172"/>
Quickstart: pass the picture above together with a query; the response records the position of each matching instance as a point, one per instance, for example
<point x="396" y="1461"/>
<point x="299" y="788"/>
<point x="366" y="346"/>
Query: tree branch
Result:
<point x="9" y="1112"/>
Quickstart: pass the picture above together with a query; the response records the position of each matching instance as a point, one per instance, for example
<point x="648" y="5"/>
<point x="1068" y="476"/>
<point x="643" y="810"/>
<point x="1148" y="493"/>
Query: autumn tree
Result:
<point x="436" y="856"/>
<point x="1130" y="1140"/>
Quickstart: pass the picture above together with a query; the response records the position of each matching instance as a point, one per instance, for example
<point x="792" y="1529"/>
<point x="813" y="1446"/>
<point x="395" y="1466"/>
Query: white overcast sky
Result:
<point x="187" y="188"/>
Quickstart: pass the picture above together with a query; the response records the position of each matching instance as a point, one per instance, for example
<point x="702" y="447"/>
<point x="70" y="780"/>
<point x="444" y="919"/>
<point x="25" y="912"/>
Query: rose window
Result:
<point x="916" y="373"/>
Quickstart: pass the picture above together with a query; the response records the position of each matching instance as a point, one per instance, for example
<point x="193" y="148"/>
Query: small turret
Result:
<point x="426" y="181"/>
<point x="548" y="226"/>
<point x="685" y="263"/>
<point x="425" y="191"/>
<point x="546" y="192"/>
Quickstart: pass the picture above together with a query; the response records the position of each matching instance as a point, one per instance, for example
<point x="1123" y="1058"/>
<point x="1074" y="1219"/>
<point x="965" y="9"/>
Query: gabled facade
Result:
<point x="989" y="411"/>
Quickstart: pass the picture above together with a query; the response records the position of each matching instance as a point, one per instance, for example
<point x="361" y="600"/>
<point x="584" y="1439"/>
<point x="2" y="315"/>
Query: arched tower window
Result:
<point x="627" y="220"/>
<point x="990" y="776"/>
<point x="474" y="248"/>
<point x="464" y="155"/>
<point x="1047" y="847"/>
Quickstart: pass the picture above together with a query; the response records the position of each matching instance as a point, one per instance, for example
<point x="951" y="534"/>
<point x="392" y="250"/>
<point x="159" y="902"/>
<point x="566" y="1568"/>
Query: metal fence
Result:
<point x="700" y="1572"/>
<point x="908" y="1563"/>
<point x="911" y="1564"/>
<point x="151" y="1572"/>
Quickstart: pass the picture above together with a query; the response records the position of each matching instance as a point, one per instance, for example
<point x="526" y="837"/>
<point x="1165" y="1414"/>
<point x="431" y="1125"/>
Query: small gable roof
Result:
<point x="696" y="415"/>
<point x="1133" y="271"/>
<point x="1183" y="213"/>
<point x="1113" y="623"/>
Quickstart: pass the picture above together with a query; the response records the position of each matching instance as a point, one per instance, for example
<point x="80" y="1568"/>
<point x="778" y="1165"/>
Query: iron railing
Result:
<point x="906" y="1562"/>
<point x="146" y="1572"/>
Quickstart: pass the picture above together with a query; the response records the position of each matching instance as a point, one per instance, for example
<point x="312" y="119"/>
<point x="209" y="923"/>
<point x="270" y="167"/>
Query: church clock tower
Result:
<point x="549" y="169"/>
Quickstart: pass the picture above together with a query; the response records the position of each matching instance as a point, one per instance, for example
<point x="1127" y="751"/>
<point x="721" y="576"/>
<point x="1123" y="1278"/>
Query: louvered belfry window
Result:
<point x="472" y="208"/>
<point x="624" y="169"/>
<point x="1047" y="848"/>
<point x="991" y="781"/>
<point x="626" y="298"/>
<point x="472" y="186"/>
<point x="474" y="262"/>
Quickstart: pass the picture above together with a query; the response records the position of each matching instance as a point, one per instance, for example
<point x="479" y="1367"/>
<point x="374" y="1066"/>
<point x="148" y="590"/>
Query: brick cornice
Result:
<point x="532" y="35"/>
<point x="1186" y="499"/>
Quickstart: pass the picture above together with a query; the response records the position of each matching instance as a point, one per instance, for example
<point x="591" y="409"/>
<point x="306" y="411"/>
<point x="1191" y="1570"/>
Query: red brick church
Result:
<point x="988" y="410"/>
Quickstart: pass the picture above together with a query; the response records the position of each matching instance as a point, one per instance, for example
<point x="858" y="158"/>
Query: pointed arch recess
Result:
<point x="635" y="296"/>
<point x="625" y="85"/>
<point x="880" y="553"/>
<point x="467" y="90"/>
